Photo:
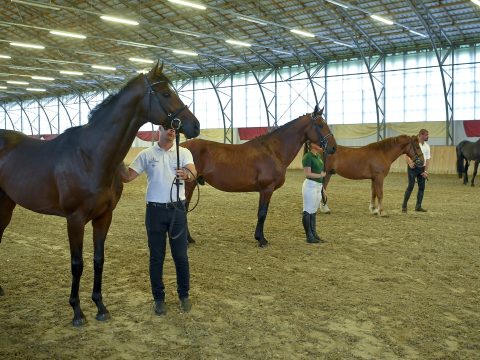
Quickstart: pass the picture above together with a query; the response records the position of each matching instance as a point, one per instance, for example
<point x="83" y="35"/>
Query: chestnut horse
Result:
<point x="76" y="174"/>
<point x="466" y="152"/>
<point x="260" y="164"/>
<point x="373" y="162"/>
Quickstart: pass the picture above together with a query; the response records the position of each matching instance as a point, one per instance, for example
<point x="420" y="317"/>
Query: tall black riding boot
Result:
<point x="308" y="228"/>
<point x="405" y="200"/>
<point x="313" y="226"/>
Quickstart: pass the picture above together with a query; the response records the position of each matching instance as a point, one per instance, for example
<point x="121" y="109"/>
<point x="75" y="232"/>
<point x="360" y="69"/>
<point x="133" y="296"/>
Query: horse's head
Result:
<point x="320" y="133"/>
<point x="164" y="103"/>
<point x="414" y="151"/>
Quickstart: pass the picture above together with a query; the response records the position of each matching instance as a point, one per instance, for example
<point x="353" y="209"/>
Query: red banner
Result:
<point x="472" y="128"/>
<point x="250" y="133"/>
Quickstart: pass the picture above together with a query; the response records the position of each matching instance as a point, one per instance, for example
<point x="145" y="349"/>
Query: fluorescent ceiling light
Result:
<point x="185" y="33"/>
<point x="67" y="34"/>
<point x="36" y="89"/>
<point x="44" y="6"/>
<point x="143" y="71"/>
<point x="183" y="52"/>
<point x="43" y="78"/>
<point x="103" y="67"/>
<point x="5" y="57"/>
<point x="93" y="53"/>
<point x="476" y="2"/>
<point x="145" y="61"/>
<point x="239" y="43"/>
<point x="25" y="45"/>
<point x="190" y="4"/>
<point x="3" y="87"/>
<point x="134" y="44"/>
<point x="17" y="82"/>
<point x="343" y="44"/>
<point x="381" y="19"/>
<point x="281" y="52"/>
<point x="251" y="20"/>
<point x="303" y="33"/>
<point x="118" y="20"/>
<point x="337" y="3"/>
<point x="417" y="33"/>
<point x="68" y="72"/>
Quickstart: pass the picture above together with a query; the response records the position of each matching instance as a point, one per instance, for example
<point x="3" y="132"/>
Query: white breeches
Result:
<point x="312" y="195"/>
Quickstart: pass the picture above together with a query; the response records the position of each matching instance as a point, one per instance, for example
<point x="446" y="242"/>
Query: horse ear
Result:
<point x="321" y="111"/>
<point x="161" y="69"/>
<point x="154" y="72"/>
<point x="315" y="111"/>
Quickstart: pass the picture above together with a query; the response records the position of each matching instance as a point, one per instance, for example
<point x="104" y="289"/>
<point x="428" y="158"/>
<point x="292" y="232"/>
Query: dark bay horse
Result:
<point x="76" y="175"/>
<point x="373" y="162"/>
<point x="467" y="151"/>
<point x="260" y="164"/>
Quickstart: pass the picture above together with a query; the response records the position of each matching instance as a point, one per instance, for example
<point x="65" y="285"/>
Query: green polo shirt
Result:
<point x="315" y="163"/>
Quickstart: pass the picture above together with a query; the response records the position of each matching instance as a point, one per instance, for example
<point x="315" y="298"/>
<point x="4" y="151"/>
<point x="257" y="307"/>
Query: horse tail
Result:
<point x="460" y="166"/>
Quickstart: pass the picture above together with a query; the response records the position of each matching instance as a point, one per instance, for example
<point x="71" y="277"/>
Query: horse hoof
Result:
<point x="79" y="322"/>
<point x="263" y="244"/>
<point x="103" y="317"/>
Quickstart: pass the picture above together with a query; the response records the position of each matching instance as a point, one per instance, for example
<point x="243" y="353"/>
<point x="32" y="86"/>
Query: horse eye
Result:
<point x="166" y="94"/>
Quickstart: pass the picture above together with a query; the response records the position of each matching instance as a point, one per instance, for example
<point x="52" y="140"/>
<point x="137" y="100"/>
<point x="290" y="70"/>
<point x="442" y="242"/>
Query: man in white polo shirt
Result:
<point x="164" y="214"/>
<point x="419" y="173"/>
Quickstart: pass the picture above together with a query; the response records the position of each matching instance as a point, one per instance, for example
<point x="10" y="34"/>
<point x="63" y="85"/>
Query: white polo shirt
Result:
<point x="160" y="166"/>
<point x="426" y="151"/>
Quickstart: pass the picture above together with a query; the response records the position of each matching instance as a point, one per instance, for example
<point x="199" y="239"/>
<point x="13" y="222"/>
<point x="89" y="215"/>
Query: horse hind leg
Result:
<point x="475" y="169"/>
<point x="261" y="216"/>
<point x="372" y="208"/>
<point x="6" y="209"/>
<point x="100" y="229"/>
<point x="465" y="172"/>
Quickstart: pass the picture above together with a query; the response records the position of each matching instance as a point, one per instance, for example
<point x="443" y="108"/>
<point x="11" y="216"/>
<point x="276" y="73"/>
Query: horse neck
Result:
<point x="289" y="139"/>
<point x="109" y="138"/>
<point x="398" y="147"/>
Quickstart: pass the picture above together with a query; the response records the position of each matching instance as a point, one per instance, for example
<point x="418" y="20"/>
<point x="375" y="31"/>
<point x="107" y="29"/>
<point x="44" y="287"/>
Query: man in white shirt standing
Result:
<point x="418" y="173"/>
<point x="164" y="214"/>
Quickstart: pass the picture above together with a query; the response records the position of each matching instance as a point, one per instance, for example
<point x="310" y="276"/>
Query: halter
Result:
<point x="323" y="139"/>
<point x="416" y="160"/>
<point x="175" y="122"/>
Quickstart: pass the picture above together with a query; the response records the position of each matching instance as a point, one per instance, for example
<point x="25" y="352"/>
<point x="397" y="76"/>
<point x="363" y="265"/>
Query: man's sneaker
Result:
<point x="159" y="307"/>
<point x="404" y="209"/>
<point x="185" y="304"/>
<point x="420" y="209"/>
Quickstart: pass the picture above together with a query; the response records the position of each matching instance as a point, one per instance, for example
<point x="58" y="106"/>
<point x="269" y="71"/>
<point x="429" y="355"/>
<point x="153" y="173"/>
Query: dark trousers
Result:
<point x="160" y="221"/>
<point x="412" y="175"/>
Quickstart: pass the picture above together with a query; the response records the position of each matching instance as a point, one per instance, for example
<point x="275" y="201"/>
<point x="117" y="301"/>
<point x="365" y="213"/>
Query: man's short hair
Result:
<point x="423" y="132"/>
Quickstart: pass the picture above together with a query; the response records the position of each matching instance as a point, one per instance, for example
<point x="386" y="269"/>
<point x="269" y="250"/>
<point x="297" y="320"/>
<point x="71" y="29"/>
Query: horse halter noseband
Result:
<point x="323" y="139"/>
<point x="175" y="122"/>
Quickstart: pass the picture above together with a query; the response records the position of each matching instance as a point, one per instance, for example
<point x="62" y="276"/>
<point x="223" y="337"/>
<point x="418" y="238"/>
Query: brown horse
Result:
<point x="76" y="175"/>
<point x="260" y="164"/>
<point x="372" y="161"/>
<point x="466" y="152"/>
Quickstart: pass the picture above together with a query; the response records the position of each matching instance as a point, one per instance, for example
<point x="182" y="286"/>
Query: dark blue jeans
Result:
<point x="160" y="221"/>
<point x="412" y="175"/>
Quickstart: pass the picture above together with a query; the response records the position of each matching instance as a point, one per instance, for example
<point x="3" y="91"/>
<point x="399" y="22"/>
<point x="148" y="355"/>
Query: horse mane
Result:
<point x="386" y="144"/>
<point x="109" y="100"/>
<point x="278" y="129"/>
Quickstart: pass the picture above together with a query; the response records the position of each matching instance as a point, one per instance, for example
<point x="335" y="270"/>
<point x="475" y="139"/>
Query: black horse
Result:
<point x="466" y="152"/>
<point x="76" y="175"/>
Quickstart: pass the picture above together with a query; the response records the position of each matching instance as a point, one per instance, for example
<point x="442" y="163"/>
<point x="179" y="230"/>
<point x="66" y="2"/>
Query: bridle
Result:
<point x="173" y="122"/>
<point x="323" y="139"/>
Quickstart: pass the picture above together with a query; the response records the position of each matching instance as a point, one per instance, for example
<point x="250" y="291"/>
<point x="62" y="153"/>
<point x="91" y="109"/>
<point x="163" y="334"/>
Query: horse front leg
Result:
<point x="6" y="209"/>
<point x="76" y="230"/>
<point x="261" y="216"/>
<point x="100" y="229"/>
<point x="465" y="173"/>
<point x="475" y="168"/>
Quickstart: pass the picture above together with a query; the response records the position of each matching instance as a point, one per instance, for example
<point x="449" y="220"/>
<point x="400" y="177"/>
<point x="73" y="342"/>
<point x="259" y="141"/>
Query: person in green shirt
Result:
<point x="314" y="170"/>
